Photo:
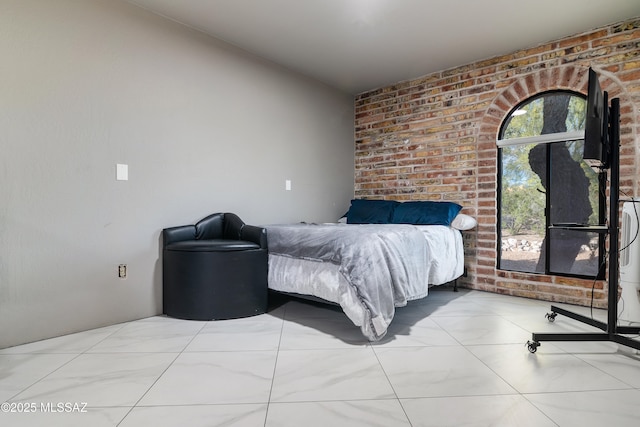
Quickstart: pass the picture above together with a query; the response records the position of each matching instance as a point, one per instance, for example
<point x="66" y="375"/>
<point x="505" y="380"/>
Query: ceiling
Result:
<point x="359" y="45"/>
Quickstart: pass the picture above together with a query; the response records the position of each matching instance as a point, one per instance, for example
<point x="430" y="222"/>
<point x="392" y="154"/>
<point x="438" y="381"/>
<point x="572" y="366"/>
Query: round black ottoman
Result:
<point x="214" y="279"/>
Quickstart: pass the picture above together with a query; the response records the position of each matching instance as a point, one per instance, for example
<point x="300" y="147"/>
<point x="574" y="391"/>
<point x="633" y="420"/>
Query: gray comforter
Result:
<point x="384" y="264"/>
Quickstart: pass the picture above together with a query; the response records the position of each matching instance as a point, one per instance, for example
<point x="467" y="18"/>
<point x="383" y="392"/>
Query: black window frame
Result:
<point x="602" y="204"/>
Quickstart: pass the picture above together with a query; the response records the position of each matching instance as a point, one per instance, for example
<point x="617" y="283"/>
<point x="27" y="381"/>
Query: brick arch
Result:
<point x="568" y="77"/>
<point x="629" y="130"/>
<point x="521" y="88"/>
<point x="573" y="78"/>
<point x="526" y="86"/>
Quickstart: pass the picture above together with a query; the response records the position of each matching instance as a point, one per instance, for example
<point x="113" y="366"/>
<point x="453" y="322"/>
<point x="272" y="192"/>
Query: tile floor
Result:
<point x="451" y="359"/>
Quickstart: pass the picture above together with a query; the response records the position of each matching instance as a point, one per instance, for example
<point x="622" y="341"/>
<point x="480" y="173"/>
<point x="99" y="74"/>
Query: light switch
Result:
<point x="287" y="185"/>
<point x="122" y="172"/>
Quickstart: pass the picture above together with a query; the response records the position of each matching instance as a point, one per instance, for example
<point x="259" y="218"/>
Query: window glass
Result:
<point x="522" y="207"/>
<point x="544" y="184"/>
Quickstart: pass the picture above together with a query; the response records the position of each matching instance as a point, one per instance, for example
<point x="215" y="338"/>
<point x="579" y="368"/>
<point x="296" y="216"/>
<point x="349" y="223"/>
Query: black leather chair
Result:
<point x="215" y="269"/>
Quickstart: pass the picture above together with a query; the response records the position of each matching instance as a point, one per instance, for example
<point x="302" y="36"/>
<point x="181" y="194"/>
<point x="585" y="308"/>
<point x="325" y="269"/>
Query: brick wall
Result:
<point x="434" y="138"/>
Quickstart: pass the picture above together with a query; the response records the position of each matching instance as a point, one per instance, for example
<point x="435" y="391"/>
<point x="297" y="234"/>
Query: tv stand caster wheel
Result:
<point x="551" y="317"/>
<point x="532" y="346"/>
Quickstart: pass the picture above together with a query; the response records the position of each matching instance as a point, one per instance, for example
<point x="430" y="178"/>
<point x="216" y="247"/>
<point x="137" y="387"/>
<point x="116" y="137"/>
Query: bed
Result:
<point x="367" y="268"/>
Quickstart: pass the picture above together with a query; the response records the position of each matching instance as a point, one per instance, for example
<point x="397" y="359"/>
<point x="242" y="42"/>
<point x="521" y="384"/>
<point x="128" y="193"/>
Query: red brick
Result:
<point x="452" y="119"/>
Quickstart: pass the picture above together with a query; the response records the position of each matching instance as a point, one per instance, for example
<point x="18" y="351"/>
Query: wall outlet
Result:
<point x="122" y="271"/>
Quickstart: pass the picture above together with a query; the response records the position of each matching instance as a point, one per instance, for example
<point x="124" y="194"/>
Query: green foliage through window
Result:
<point x="523" y="190"/>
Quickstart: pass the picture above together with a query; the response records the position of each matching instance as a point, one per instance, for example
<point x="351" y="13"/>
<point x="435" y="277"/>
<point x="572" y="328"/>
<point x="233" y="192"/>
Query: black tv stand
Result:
<point x="611" y="331"/>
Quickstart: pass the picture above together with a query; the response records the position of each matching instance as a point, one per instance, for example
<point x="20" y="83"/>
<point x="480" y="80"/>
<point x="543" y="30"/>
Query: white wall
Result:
<point x="204" y="128"/>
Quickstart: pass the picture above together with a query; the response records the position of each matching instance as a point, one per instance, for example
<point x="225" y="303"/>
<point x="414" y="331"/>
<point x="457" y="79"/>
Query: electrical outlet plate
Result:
<point x="122" y="271"/>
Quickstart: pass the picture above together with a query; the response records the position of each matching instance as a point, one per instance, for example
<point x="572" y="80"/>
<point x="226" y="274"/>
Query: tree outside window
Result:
<point x="544" y="182"/>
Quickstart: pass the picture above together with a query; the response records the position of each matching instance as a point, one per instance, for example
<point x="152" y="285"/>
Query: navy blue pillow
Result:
<point x="425" y="213"/>
<point x="363" y="211"/>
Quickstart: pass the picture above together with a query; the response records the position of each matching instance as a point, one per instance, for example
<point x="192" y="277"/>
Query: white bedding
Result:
<point x="443" y="262"/>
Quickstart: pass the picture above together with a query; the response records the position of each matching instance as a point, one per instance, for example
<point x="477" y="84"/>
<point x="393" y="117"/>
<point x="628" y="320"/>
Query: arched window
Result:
<point x="543" y="184"/>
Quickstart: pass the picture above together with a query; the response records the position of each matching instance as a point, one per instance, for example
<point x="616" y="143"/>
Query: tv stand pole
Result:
<point x="612" y="332"/>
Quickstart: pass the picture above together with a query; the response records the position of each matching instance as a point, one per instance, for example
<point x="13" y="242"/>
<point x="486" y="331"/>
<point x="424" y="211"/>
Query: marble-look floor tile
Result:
<point x="306" y="364"/>
<point x="241" y="415"/>
<point x="318" y="333"/>
<point x="619" y="408"/>
<point x="19" y="371"/>
<point x="156" y="334"/>
<point x="538" y="323"/>
<point x="509" y="306"/>
<point x="251" y="333"/>
<point x="72" y="343"/>
<point x="443" y="293"/>
<point x="548" y="370"/>
<point x="94" y="417"/>
<point x="622" y="366"/>
<point x="596" y="313"/>
<point x="337" y="374"/>
<point x="364" y="413"/>
<point x="100" y="379"/>
<point x="410" y="314"/>
<point x="587" y="347"/>
<point x="482" y="330"/>
<point x="438" y="371"/>
<point x="495" y="411"/>
<point x="404" y="332"/>
<point x="214" y="377"/>
<point x="460" y="307"/>
<point x="598" y="347"/>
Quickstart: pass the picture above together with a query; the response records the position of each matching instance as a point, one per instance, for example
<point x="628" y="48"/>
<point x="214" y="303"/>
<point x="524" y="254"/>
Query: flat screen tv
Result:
<point x="596" y="130"/>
